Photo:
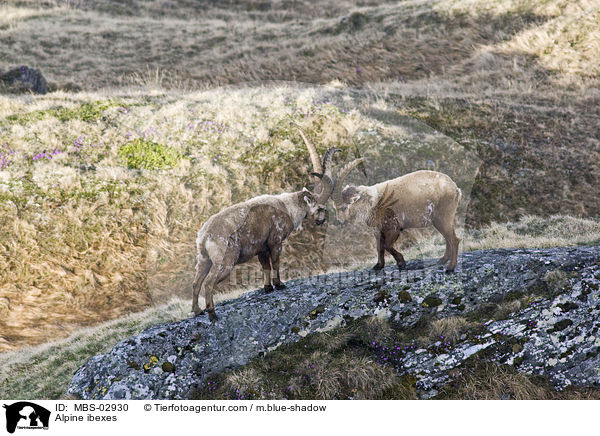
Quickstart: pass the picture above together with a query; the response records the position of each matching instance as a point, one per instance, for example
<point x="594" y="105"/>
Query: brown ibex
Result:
<point x="415" y="200"/>
<point x="257" y="227"/>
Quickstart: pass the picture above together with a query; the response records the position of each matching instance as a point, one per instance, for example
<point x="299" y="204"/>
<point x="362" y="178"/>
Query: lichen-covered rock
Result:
<point x="557" y="335"/>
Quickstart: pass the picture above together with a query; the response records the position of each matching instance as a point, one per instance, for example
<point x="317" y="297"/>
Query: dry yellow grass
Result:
<point x="44" y="371"/>
<point x="567" y="44"/>
<point x="488" y="381"/>
<point x="448" y="330"/>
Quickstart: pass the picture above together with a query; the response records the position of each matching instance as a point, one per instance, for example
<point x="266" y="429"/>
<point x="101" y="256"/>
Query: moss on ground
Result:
<point x="87" y="112"/>
<point x="148" y="155"/>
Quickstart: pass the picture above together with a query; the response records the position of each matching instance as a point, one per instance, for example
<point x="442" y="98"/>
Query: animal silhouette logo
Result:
<point x="26" y="415"/>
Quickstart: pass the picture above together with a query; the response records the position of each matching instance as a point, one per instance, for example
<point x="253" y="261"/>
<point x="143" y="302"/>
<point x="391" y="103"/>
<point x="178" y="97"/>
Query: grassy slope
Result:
<point x="84" y="239"/>
<point x="242" y="41"/>
<point x="220" y="43"/>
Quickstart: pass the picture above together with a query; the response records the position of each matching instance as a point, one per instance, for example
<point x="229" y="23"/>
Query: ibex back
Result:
<point x="418" y="199"/>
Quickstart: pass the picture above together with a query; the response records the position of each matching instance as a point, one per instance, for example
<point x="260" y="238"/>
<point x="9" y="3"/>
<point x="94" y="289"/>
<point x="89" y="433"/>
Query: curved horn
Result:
<point x="341" y="176"/>
<point x="312" y="151"/>
<point x="326" y="167"/>
<point x="327" y="186"/>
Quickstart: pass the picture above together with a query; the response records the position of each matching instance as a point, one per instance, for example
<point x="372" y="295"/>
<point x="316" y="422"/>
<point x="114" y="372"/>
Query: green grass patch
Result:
<point x="88" y="112"/>
<point x="148" y="155"/>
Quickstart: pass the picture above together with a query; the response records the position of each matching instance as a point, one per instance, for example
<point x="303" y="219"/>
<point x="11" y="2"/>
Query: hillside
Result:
<point x="195" y="44"/>
<point x="105" y="180"/>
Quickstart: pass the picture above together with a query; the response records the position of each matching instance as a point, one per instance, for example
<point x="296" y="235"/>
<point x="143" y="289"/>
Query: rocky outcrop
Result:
<point x="556" y="335"/>
<point x="24" y="78"/>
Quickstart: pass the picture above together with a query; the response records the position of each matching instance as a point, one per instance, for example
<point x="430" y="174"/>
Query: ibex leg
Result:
<point x="202" y="268"/>
<point x="275" y="252"/>
<point x="390" y="233"/>
<point x="451" y="255"/>
<point x="265" y="262"/>
<point x="380" y="252"/>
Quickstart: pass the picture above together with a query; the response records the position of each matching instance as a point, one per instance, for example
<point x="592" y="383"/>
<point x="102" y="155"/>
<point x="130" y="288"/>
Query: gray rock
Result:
<point x="557" y="335"/>
<point x="24" y="78"/>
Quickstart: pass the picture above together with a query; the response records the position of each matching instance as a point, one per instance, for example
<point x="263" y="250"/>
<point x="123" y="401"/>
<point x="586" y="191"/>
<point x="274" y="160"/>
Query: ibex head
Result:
<point x="316" y="211"/>
<point x="344" y="198"/>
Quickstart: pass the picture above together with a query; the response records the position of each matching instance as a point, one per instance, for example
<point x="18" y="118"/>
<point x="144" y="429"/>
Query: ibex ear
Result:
<point x="309" y="200"/>
<point x="305" y="190"/>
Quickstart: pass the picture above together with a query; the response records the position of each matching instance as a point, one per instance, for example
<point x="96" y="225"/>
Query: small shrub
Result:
<point x="506" y="308"/>
<point x="448" y="329"/>
<point x="86" y="112"/>
<point x="558" y="279"/>
<point x="148" y="155"/>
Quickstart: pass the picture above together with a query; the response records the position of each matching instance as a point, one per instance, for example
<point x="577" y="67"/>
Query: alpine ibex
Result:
<point x="257" y="227"/>
<point x="415" y="200"/>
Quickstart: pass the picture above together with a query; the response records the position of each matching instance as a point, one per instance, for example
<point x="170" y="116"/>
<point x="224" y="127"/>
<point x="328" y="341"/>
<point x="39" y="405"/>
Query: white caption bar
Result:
<point x="300" y="417"/>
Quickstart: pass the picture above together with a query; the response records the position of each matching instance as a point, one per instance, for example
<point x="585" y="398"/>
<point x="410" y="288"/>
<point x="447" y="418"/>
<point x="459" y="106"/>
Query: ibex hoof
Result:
<point x="449" y="271"/>
<point x="212" y="316"/>
<point x="401" y="266"/>
<point x="197" y="311"/>
<point x="268" y="288"/>
<point x="378" y="266"/>
<point x="280" y="286"/>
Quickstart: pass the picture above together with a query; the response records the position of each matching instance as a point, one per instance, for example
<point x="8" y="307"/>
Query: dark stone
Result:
<point x="456" y="300"/>
<point x="168" y="367"/>
<point x="404" y="296"/>
<point x="24" y="78"/>
<point x="382" y="297"/>
<point x="560" y="325"/>
<point x="568" y="306"/>
<point x="432" y="301"/>
<point x="537" y="287"/>
<point x="351" y="22"/>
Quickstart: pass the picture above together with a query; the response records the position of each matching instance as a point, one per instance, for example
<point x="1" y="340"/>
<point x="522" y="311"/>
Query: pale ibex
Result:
<point x="415" y="200"/>
<point x="257" y="227"/>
